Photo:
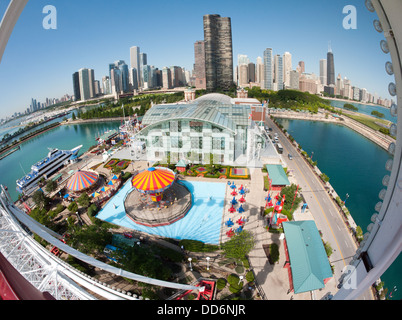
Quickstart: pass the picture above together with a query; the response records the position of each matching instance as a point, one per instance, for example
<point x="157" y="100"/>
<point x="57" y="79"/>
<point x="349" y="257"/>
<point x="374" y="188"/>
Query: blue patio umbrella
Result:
<point x="66" y="196"/>
<point x="233" y="185"/>
<point x="242" y="191"/>
<point x="229" y="223"/>
<point x="241" y="209"/>
<point x="234" y="201"/>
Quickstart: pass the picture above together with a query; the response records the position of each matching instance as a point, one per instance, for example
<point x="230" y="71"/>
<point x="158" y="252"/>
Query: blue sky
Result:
<point x="39" y="63"/>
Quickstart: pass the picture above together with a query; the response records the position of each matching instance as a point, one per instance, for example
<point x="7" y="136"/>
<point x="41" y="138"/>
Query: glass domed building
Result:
<point x="214" y="126"/>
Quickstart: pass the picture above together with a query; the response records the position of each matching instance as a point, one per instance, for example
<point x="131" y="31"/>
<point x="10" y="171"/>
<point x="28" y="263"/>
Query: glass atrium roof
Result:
<point x="211" y="108"/>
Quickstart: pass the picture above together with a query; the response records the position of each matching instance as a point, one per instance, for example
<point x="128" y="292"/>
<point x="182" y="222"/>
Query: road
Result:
<point x="321" y="206"/>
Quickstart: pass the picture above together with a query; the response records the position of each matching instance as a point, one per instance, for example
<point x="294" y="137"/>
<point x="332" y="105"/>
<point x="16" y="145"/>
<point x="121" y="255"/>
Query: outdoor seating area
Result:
<point x="236" y="206"/>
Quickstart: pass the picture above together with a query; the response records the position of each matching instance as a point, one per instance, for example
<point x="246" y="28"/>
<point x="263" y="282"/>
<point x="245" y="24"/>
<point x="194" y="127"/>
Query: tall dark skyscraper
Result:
<point x="218" y="52"/>
<point x="76" y="86"/>
<point x="330" y="67"/>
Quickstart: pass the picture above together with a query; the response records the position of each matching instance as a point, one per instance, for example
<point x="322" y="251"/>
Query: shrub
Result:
<point x="220" y="283"/>
<point x="250" y="276"/>
<point x="274" y="252"/>
<point x="233" y="279"/>
<point x="197" y="246"/>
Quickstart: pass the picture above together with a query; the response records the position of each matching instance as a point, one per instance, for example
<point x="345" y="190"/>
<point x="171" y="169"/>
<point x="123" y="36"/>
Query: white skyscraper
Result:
<point x="287" y="67"/>
<point x="135" y="62"/>
<point x="323" y="71"/>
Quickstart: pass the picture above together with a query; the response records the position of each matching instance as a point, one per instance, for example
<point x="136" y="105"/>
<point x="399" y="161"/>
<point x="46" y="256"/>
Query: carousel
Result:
<point x="153" y="182"/>
<point x="157" y="198"/>
<point x="81" y="181"/>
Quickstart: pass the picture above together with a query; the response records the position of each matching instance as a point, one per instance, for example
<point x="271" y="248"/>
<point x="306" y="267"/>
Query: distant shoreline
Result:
<point x="357" y="102"/>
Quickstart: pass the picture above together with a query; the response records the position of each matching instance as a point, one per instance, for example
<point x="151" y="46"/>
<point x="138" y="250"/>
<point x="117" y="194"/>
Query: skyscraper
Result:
<point x="330" y="67"/>
<point x="135" y="62"/>
<point x="199" y="65"/>
<point x="119" y="76"/>
<point x="323" y="72"/>
<point x="287" y="67"/>
<point x="260" y="72"/>
<point x="278" y="72"/>
<point x="218" y="52"/>
<point x="268" y="69"/>
<point x="76" y="86"/>
<point x="84" y="79"/>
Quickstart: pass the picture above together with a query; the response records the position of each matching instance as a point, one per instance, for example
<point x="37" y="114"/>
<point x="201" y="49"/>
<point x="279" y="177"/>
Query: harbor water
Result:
<point x="64" y="137"/>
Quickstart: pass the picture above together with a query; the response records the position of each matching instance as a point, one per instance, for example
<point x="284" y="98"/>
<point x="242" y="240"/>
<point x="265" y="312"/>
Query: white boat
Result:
<point x="45" y="168"/>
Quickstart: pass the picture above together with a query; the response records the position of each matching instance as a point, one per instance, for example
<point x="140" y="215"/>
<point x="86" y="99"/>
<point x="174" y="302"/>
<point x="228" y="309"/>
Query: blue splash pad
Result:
<point x="202" y="222"/>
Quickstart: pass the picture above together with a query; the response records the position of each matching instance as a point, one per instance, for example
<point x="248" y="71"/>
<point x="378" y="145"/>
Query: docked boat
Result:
<point x="45" y="168"/>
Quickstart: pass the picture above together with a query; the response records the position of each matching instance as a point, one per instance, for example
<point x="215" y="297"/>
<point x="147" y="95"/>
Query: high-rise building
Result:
<point x="302" y="67"/>
<point x="106" y="85"/>
<point x="260" y="72"/>
<point x="287" y="67"/>
<point x="330" y="68"/>
<point x="243" y="75"/>
<point x="119" y="76"/>
<point x="76" y="86"/>
<point x="268" y="69"/>
<point x="91" y="75"/>
<point x="218" y="52"/>
<point x="85" y="86"/>
<point x="199" y="65"/>
<point x="294" y="80"/>
<point x="166" y="78"/>
<point x="278" y="72"/>
<point x="251" y="72"/>
<point x="135" y="62"/>
<point x="133" y="79"/>
<point x="323" y="72"/>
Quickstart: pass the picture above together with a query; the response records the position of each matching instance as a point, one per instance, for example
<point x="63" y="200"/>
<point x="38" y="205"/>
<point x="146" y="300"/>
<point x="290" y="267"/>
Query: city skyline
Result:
<point x="48" y="68"/>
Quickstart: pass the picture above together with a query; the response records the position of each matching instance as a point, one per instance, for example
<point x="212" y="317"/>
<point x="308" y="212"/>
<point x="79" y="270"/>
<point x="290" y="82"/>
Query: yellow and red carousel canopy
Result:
<point x="82" y="180"/>
<point x="153" y="180"/>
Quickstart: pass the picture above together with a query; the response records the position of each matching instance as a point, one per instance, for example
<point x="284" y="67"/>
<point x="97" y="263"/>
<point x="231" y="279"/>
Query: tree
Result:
<point x="73" y="207"/>
<point x="39" y="198"/>
<point x="84" y="200"/>
<point x="289" y="193"/>
<point x="51" y="186"/>
<point x="239" y="245"/>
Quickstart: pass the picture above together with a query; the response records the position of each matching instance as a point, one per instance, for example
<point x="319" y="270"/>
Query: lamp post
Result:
<point x="347" y="196"/>
<point x="240" y="279"/>
<point x="191" y="268"/>
<point x="208" y="262"/>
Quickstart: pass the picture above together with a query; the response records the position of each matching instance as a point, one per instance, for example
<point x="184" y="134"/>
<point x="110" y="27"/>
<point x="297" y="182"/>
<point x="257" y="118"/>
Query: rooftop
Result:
<point x="277" y="174"/>
<point x="215" y="108"/>
<point x="308" y="259"/>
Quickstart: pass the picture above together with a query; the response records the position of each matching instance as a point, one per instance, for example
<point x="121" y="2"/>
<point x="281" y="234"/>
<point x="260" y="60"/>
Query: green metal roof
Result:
<point x="277" y="174"/>
<point x="308" y="259"/>
<point x="181" y="163"/>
